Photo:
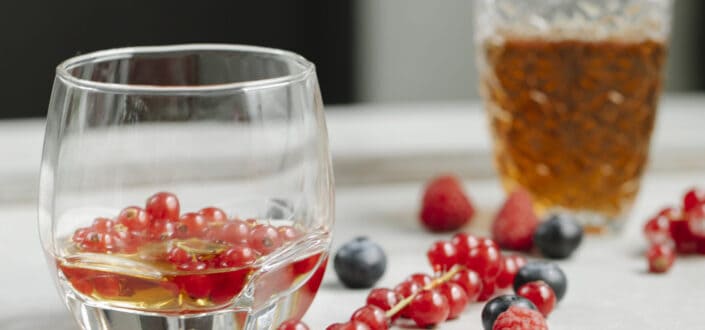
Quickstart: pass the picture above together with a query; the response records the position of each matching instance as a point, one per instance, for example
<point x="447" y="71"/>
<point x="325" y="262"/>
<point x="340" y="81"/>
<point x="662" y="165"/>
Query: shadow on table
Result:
<point x="62" y="321"/>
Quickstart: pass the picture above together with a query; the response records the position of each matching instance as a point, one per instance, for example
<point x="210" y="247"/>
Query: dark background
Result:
<point x="36" y="36"/>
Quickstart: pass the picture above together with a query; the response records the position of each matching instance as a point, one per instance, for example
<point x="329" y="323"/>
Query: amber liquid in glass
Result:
<point x="144" y="281"/>
<point x="572" y="119"/>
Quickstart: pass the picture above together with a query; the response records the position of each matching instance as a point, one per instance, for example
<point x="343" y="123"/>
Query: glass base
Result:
<point x="92" y="317"/>
<point x="594" y="223"/>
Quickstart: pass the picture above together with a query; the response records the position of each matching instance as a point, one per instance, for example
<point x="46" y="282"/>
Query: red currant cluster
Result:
<point x="468" y="269"/>
<point x="676" y="230"/>
<point x="240" y="242"/>
<point x="204" y="254"/>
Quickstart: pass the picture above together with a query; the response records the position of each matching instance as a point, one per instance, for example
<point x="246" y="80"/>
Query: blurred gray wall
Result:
<point x="420" y="50"/>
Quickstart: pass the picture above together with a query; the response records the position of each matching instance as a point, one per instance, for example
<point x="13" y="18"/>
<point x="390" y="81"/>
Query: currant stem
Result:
<point x="437" y="281"/>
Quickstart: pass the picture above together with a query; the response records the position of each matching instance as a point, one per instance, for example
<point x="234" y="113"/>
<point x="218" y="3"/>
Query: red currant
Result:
<point x="442" y="255"/>
<point x="541" y="294"/>
<point x="76" y="273"/>
<point x="107" y="285"/>
<point x="163" y="205"/>
<point x="485" y="260"/>
<point x="293" y="325"/>
<point x="82" y="285"/>
<point x="487" y="243"/>
<point x="178" y="256"/>
<point x="213" y="214"/>
<point x="134" y="218"/>
<point x="236" y="256"/>
<point x="456" y="297"/>
<point x="236" y="232"/>
<point x="191" y="225"/>
<point x="660" y="257"/>
<point x="305" y="265"/>
<point x="463" y="244"/>
<point x="113" y="243"/>
<point x="81" y="234"/>
<point x="428" y="308"/>
<point x="421" y="279"/>
<point x="196" y="286"/>
<point x="103" y="225"/>
<point x="693" y="198"/>
<point x="510" y="267"/>
<point x="489" y="286"/>
<point x="384" y="299"/>
<point x="192" y="266"/>
<point x="80" y="279"/>
<point x="471" y="283"/>
<point x="352" y="325"/>
<point x="93" y="241"/>
<point x="225" y="286"/>
<point x="121" y="242"/>
<point x="656" y="229"/>
<point x="264" y="239"/>
<point x="373" y="316"/>
<point x="406" y="289"/>
<point x="288" y="233"/>
<point x="162" y="230"/>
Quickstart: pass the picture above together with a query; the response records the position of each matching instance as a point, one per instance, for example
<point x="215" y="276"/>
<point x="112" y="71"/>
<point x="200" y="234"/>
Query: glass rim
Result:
<point x="62" y="70"/>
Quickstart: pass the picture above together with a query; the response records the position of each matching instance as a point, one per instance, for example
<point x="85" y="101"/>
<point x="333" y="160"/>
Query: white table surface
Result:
<point x="382" y="156"/>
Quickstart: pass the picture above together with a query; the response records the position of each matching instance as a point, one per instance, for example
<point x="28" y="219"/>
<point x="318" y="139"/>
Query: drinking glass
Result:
<point x="571" y="89"/>
<point x="186" y="187"/>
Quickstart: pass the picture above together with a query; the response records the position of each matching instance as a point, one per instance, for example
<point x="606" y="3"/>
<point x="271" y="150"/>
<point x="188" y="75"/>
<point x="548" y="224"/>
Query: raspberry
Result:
<point x="514" y="226"/>
<point x="445" y="205"/>
<point x="519" y="318"/>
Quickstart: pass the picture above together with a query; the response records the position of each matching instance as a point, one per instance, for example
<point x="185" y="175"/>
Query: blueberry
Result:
<point x="542" y="271"/>
<point x="500" y="304"/>
<point x="360" y="263"/>
<point x="558" y="236"/>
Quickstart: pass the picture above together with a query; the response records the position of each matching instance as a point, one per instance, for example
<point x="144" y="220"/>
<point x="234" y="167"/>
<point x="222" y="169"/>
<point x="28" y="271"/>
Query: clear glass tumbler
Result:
<point x="571" y="88"/>
<point x="186" y="187"/>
